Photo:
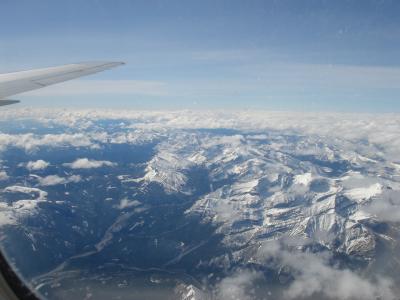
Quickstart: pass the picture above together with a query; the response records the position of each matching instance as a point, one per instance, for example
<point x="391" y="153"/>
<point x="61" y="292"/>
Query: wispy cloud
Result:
<point x="112" y="87"/>
<point x="126" y="203"/>
<point x="223" y="55"/>
<point x="55" y="180"/>
<point x="292" y="75"/>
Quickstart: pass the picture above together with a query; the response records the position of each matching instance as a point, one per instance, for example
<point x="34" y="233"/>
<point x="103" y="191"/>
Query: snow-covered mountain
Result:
<point x="264" y="187"/>
<point x="230" y="206"/>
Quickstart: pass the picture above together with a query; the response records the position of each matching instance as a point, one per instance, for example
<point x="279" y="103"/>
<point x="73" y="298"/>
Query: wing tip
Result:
<point x="109" y="64"/>
<point x="117" y="63"/>
<point x="8" y="102"/>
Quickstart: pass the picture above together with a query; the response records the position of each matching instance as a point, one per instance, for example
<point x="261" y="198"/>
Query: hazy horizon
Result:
<point x="317" y="56"/>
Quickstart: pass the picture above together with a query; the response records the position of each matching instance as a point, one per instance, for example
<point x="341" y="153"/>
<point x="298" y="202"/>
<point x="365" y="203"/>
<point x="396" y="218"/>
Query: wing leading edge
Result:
<point x="19" y="82"/>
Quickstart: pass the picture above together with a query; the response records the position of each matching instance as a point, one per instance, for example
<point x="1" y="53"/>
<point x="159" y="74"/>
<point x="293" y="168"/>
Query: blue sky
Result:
<point x="276" y="55"/>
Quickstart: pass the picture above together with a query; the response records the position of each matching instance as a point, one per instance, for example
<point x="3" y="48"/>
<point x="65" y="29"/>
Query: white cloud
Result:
<point x="238" y="286"/>
<point x="85" y="163"/>
<point x="37" y="165"/>
<point x="125" y="203"/>
<point x="315" y="276"/>
<point x="31" y="142"/>
<point x="3" y="175"/>
<point x="55" y="180"/>
<point x="225" y="209"/>
<point x="386" y="207"/>
<point x="41" y="195"/>
<point x="377" y="129"/>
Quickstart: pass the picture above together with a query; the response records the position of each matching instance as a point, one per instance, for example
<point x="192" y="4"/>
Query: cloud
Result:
<point x="55" y="180"/>
<point x="325" y="75"/>
<point x="226" y="211"/>
<point x="84" y="163"/>
<point x="376" y="129"/>
<point x="315" y="276"/>
<point x="222" y="55"/>
<point x="386" y="207"/>
<point x="37" y="165"/>
<point x="125" y="203"/>
<point x="31" y="142"/>
<point x="41" y="195"/>
<point x="3" y="175"/>
<point x="238" y="286"/>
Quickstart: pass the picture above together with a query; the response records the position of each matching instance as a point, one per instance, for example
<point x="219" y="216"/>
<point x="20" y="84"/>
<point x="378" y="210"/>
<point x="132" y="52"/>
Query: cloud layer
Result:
<point x="382" y="130"/>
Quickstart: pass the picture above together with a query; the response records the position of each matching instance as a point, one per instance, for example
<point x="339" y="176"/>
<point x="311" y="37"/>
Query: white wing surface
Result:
<point x="19" y="82"/>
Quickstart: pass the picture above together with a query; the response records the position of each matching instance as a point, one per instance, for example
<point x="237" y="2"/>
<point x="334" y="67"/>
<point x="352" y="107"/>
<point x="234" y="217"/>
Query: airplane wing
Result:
<point x="19" y="82"/>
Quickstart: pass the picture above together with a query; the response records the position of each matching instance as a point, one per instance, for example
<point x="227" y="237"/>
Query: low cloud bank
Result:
<point x="314" y="275"/>
<point x="376" y="129"/>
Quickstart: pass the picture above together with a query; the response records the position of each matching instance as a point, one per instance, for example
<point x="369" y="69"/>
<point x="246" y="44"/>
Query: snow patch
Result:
<point x="304" y="179"/>
<point x="364" y="193"/>
<point x="11" y="214"/>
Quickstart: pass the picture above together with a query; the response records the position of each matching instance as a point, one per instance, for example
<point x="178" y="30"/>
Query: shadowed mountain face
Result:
<point x="171" y="205"/>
